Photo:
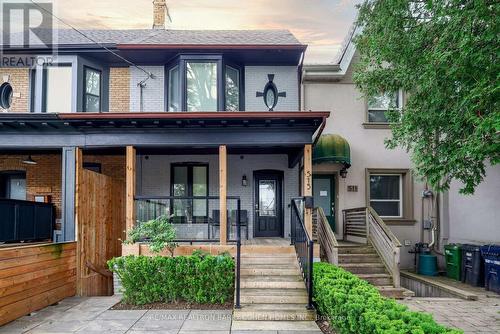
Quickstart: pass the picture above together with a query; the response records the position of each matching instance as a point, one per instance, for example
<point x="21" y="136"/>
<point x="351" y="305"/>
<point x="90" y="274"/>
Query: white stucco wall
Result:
<point x="465" y="219"/>
<point x="476" y="218"/>
<point x="153" y="93"/>
<point x="285" y="79"/>
<point x="347" y="108"/>
<point x="153" y="179"/>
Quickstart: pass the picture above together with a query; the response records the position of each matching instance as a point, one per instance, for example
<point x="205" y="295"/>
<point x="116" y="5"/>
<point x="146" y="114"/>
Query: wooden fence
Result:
<point x="101" y="222"/>
<point x="33" y="277"/>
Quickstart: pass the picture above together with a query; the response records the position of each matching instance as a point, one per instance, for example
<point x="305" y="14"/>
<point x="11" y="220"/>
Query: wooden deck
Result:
<point x="442" y="286"/>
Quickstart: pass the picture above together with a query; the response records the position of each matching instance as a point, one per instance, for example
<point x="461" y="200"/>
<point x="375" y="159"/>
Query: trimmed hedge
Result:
<point x="355" y="306"/>
<point x="199" y="278"/>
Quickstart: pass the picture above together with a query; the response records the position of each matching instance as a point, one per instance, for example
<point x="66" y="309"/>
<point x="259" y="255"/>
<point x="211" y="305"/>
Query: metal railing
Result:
<point x="238" y="258"/>
<point x="304" y="246"/>
<point x="196" y="218"/>
<point x="201" y="216"/>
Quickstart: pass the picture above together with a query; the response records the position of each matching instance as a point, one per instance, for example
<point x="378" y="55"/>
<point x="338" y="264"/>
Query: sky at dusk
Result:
<point x="322" y="24"/>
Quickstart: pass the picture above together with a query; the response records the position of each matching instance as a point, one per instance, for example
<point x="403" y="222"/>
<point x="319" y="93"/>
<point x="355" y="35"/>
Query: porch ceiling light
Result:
<point x="29" y="161"/>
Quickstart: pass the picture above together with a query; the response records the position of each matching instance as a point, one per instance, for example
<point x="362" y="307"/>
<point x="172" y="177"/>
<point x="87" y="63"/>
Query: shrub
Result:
<point x="354" y="306"/>
<point x="198" y="278"/>
<point x="159" y="232"/>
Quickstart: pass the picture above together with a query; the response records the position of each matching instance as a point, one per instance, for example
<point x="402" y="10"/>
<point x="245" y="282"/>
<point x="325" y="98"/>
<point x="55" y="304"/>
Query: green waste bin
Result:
<point x="453" y="255"/>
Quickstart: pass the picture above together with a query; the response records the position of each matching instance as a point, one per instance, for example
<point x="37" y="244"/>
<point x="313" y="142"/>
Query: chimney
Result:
<point x="159" y="10"/>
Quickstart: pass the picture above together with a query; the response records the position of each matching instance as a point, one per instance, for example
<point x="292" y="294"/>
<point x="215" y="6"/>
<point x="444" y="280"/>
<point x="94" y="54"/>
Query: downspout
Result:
<point x="301" y="66"/>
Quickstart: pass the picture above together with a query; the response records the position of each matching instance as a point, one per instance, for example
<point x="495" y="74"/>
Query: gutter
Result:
<point x="298" y="47"/>
<point x="195" y="115"/>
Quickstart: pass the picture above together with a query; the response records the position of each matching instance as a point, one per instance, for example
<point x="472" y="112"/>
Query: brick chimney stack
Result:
<point x="159" y="11"/>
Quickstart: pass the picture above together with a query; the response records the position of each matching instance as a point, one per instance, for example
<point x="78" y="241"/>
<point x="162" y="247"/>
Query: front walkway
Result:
<point x="479" y="316"/>
<point x="92" y="316"/>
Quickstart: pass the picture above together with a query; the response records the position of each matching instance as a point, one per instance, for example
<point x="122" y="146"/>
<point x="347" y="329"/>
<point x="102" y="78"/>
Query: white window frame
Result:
<point x="401" y="199"/>
<point x="398" y="107"/>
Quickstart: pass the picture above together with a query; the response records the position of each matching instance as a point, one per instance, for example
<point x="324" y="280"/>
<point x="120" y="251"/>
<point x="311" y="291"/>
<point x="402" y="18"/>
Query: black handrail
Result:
<point x="238" y="255"/>
<point x="304" y="247"/>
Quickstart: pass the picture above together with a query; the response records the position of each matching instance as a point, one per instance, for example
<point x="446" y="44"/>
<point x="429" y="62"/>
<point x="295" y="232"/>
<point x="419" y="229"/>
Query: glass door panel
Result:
<point x="267" y="198"/>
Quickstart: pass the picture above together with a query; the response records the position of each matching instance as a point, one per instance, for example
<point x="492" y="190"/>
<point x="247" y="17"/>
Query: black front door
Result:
<point x="268" y="204"/>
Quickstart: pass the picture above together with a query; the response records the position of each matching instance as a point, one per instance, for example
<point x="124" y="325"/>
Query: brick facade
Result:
<point x="119" y="89"/>
<point x="44" y="178"/>
<point x="19" y="79"/>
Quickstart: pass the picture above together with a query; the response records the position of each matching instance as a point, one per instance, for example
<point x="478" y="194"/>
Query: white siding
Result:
<point x="153" y="93"/>
<point x="285" y="79"/>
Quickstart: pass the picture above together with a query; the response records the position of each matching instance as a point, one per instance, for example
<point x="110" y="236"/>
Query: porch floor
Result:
<point x="267" y="242"/>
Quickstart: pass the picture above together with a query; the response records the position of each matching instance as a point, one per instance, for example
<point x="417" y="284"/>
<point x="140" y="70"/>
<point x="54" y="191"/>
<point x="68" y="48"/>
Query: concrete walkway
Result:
<point x="481" y="316"/>
<point x="92" y="316"/>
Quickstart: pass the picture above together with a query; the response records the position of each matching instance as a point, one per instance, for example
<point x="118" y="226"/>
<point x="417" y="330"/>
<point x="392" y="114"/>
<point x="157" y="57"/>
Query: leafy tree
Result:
<point x="159" y="232"/>
<point x="444" y="55"/>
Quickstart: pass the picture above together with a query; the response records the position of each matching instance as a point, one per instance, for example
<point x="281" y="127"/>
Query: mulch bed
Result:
<point x="180" y="305"/>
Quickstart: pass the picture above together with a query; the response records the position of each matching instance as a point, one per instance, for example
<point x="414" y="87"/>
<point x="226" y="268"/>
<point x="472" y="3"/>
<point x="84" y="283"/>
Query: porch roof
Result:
<point x="160" y="129"/>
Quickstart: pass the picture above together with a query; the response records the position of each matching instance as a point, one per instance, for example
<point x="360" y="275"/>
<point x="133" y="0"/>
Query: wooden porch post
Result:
<point x="307" y="184"/>
<point x="130" y="161"/>
<point x="223" y="193"/>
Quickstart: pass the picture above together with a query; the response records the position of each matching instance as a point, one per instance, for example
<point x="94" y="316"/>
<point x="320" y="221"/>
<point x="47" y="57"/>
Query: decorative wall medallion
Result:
<point x="270" y="93"/>
<point x="6" y="94"/>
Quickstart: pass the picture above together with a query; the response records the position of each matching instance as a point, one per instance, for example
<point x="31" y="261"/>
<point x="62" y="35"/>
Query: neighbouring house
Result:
<point x="124" y="126"/>
<point x="352" y="169"/>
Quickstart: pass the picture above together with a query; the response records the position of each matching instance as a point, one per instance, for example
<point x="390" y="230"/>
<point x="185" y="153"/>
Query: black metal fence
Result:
<point x="196" y="218"/>
<point x="304" y="245"/>
<point x="25" y="221"/>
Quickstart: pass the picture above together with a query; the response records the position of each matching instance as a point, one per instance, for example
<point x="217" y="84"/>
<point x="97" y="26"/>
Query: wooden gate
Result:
<point x="101" y="224"/>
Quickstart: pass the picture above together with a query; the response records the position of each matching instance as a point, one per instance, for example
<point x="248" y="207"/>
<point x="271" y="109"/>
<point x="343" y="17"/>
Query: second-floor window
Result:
<point x="203" y="83"/>
<point x="92" y="90"/>
<point x="379" y="105"/>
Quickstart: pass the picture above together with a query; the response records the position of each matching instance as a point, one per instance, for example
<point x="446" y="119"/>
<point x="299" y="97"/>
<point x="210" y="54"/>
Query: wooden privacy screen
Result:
<point x="101" y="222"/>
<point x="36" y="276"/>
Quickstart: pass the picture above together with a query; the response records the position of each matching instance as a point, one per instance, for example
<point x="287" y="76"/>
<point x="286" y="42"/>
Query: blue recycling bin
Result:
<point x="491" y="255"/>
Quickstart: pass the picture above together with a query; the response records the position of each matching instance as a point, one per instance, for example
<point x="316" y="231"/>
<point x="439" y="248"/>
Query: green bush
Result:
<point x="354" y="306"/>
<point x="198" y="278"/>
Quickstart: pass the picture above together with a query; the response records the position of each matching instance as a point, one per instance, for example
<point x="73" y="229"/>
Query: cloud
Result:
<point x="322" y="24"/>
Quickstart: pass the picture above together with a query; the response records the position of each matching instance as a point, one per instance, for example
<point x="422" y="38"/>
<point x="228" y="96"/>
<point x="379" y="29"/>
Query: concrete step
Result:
<point x="396" y="293"/>
<point x="266" y="249"/>
<point x="267" y="256"/>
<point x="377" y="279"/>
<point x="273" y="282"/>
<point x="356" y="250"/>
<point x="270" y="271"/>
<point x="364" y="268"/>
<point x="273" y="296"/>
<point x="274" y="312"/>
<point x="246" y="265"/>
<point x="302" y="327"/>
<point x="285" y="260"/>
<point x="359" y="258"/>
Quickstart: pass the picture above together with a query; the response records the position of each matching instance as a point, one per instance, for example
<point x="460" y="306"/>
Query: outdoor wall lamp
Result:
<point x="343" y="173"/>
<point x="29" y="161"/>
<point x="244" y="181"/>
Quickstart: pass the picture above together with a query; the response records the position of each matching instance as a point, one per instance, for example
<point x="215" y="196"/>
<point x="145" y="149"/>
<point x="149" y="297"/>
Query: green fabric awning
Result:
<point x="332" y="148"/>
